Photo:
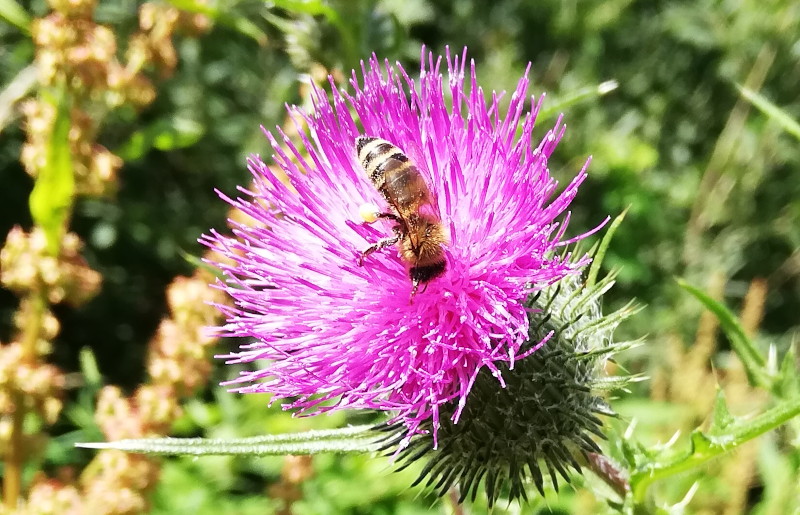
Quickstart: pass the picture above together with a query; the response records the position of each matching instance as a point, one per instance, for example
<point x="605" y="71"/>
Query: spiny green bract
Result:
<point x="545" y="421"/>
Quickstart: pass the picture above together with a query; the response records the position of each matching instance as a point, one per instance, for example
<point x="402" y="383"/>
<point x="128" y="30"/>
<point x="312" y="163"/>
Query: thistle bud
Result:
<point x="546" y="418"/>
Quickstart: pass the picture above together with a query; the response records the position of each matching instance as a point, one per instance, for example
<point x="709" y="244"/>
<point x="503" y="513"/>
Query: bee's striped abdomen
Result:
<point x="378" y="157"/>
<point x="392" y="173"/>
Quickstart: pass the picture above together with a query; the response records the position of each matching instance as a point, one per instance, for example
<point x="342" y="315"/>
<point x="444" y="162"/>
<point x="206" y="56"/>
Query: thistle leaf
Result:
<point x="754" y="362"/>
<point x="707" y="446"/>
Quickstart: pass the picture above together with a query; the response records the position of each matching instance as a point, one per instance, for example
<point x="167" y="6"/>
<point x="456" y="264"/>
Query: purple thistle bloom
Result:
<point x="338" y="335"/>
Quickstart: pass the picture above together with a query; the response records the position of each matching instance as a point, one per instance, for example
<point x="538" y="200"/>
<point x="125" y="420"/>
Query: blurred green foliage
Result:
<point x="712" y="186"/>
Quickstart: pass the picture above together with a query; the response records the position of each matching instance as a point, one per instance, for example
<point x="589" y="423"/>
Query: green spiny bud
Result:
<point x="545" y="421"/>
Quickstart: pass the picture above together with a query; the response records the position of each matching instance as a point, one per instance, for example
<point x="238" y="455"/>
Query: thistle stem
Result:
<point x="452" y="495"/>
<point x="705" y="447"/>
<point x="610" y="473"/>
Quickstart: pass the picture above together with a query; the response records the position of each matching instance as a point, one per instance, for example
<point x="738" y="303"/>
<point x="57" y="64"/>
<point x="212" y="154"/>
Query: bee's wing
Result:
<point x="411" y="201"/>
<point x="430" y="204"/>
<point x="427" y="207"/>
<point x="408" y="217"/>
<point x="430" y="207"/>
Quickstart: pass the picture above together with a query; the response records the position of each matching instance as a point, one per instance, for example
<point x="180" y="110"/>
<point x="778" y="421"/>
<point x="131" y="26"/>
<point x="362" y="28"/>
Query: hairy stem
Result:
<point x="705" y="447"/>
<point x="610" y="473"/>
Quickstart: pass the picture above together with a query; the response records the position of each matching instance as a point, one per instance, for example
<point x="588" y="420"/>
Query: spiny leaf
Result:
<point x="722" y="418"/>
<point x="744" y="347"/>
<point x="705" y="446"/>
<point x="633" y="452"/>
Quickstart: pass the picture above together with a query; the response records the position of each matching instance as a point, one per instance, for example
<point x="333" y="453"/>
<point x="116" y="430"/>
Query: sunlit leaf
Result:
<point x="199" y="263"/>
<point x="15" y="14"/>
<point x="790" y="382"/>
<point x="754" y="362"/>
<point x="579" y="96"/>
<point x="51" y="198"/>
<point x="312" y="7"/>
<point x="164" y="134"/>
<point x="600" y="253"/>
<point x="774" y="112"/>
<point x="19" y="87"/>
<point x="89" y="368"/>
<point x="225" y="17"/>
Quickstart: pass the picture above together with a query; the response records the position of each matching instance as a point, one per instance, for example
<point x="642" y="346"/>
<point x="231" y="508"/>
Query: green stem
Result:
<point x="15" y="455"/>
<point x="36" y="307"/>
<point x="12" y="468"/>
<point x="50" y="204"/>
<point x="349" y="439"/>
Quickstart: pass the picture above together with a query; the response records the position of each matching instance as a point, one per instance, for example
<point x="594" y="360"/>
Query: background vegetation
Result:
<point x="712" y="185"/>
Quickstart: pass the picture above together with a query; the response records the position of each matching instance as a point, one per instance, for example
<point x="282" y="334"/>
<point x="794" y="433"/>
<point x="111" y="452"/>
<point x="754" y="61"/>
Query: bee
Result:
<point x="418" y="231"/>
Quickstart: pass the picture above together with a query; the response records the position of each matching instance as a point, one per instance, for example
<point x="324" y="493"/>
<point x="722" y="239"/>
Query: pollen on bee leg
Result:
<point x="369" y="212"/>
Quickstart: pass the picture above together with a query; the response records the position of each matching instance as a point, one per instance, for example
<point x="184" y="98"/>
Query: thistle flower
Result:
<point x="338" y="335"/>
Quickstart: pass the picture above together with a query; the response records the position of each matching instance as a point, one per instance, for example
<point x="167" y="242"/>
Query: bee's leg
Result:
<point x="414" y="286"/>
<point x="391" y="216"/>
<point x="380" y="244"/>
<point x="370" y="216"/>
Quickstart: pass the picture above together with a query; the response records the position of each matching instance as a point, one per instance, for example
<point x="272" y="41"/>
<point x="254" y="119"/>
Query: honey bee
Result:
<point x="418" y="230"/>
